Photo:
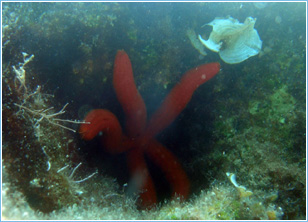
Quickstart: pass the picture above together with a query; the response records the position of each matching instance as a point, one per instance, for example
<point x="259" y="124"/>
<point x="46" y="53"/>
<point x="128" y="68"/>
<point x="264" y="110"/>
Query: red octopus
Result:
<point x="139" y="138"/>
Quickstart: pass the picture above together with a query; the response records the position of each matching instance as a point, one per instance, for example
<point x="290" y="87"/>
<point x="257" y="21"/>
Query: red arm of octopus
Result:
<point x="141" y="180"/>
<point x="105" y="122"/>
<point x="128" y="95"/>
<point x="179" y="96"/>
<point x="171" y="167"/>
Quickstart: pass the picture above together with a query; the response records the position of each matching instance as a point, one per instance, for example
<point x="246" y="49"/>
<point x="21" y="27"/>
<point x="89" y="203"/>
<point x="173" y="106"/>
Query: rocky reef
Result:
<point x="249" y="120"/>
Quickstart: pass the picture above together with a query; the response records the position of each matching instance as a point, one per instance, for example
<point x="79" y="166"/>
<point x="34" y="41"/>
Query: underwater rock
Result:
<point x="234" y="41"/>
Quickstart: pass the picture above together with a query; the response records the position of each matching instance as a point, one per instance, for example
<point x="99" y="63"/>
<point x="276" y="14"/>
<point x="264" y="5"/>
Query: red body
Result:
<point x="139" y="138"/>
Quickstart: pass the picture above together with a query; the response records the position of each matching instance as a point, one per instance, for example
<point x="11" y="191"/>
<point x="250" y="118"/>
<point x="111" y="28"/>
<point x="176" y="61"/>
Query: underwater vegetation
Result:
<point x="249" y="121"/>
